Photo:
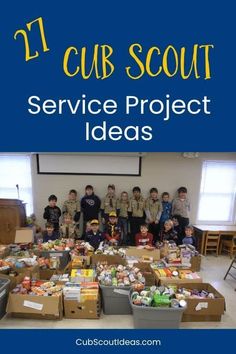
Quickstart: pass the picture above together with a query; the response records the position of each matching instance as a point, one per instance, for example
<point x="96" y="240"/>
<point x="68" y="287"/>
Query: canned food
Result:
<point x="183" y="303"/>
<point x="174" y="303"/>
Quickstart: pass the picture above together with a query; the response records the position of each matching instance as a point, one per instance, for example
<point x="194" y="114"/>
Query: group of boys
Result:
<point x="149" y="220"/>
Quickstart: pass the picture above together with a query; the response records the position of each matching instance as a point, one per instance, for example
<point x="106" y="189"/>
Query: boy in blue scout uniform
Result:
<point x="113" y="230"/>
<point x="94" y="237"/>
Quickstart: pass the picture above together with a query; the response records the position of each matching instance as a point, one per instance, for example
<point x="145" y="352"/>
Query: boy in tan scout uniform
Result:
<point x="72" y="206"/>
<point x="136" y="213"/>
<point x="124" y="217"/>
<point x="153" y="210"/>
<point x="67" y="229"/>
<point x="109" y="203"/>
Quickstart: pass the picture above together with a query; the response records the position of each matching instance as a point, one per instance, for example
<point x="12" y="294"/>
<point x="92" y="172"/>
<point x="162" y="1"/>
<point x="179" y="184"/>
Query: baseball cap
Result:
<point x="94" y="221"/>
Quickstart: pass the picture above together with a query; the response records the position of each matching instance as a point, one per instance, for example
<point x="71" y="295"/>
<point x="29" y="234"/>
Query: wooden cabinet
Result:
<point x="12" y="215"/>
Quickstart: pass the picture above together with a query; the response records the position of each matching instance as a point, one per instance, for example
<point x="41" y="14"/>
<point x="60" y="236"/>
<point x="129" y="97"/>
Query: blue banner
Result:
<point x="138" y="341"/>
<point x="112" y="76"/>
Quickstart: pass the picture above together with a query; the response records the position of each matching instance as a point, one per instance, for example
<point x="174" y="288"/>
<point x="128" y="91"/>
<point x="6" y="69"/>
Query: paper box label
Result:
<point x="33" y="305"/>
<point x="201" y="305"/>
<point x="56" y="254"/>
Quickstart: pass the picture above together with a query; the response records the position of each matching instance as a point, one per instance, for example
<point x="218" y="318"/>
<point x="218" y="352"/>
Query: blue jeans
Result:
<point x="124" y="227"/>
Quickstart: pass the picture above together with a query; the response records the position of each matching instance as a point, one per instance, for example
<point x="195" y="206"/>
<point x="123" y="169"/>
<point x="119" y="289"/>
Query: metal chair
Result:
<point x="232" y="266"/>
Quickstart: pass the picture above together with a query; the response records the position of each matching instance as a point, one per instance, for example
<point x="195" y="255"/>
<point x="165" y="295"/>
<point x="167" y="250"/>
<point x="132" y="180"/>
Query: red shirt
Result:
<point x="143" y="240"/>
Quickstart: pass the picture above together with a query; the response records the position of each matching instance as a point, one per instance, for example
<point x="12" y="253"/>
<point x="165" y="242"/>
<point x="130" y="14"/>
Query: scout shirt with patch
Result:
<point x="124" y="208"/>
<point x="67" y="231"/>
<point x="110" y="203"/>
<point x="137" y="207"/>
<point x="153" y="209"/>
<point x="71" y="207"/>
<point x="181" y="207"/>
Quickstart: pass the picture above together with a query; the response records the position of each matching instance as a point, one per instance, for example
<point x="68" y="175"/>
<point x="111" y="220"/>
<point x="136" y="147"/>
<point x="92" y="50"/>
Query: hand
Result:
<point x="156" y="222"/>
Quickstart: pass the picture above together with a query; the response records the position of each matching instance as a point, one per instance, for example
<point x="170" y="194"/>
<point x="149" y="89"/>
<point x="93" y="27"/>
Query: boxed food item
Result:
<point x="80" y="261"/>
<point x="81" y="291"/>
<point x="82" y="275"/>
<point x="143" y="251"/>
<point x="36" y="299"/>
<point x="204" y="302"/>
<point x="174" y="275"/>
<point x="60" y="279"/>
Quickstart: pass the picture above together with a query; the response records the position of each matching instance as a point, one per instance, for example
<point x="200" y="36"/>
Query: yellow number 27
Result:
<point x="28" y="56"/>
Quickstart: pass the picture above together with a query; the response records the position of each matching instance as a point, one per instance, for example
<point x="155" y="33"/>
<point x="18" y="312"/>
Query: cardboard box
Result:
<point x="24" y="235"/>
<point x="89" y="309"/>
<point x="204" y="310"/>
<point x="173" y="280"/>
<point x="196" y="263"/>
<point x="13" y="280"/>
<point x="46" y="274"/>
<point x="64" y="256"/>
<point x="4" y="251"/>
<point x="96" y="258"/>
<point x="142" y="252"/>
<point x="35" y="307"/>
<point x="32" y="272"/>
<point x="80" y="261"/>
<point x="147" y="272"/>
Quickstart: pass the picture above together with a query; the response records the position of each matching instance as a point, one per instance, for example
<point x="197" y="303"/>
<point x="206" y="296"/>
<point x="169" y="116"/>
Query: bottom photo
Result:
<point x="118" y="240"/>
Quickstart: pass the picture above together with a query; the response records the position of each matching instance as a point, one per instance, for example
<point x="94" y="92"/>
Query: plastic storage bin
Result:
<point x="115" y="300"/>
<point x="4" y="290"/>
<point x="156" y="317"/>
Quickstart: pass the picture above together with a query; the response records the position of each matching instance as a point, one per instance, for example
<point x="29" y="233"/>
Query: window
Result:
<point x="16" y="170"/>
<point x="217" y="192"/>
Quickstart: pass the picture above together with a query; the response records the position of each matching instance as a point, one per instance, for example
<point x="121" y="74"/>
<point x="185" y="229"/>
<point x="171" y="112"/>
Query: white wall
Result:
<point x="166" y="171"/>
